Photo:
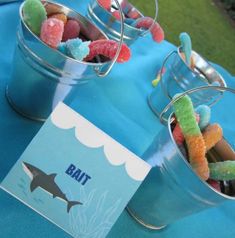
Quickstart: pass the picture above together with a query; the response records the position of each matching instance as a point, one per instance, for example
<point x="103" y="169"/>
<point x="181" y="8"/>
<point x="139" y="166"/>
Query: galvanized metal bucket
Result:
<point x="43" y="76"/>
<point x="111" y="26"/>
<point x="172" y="190"/>
<point x="177" y="77"/>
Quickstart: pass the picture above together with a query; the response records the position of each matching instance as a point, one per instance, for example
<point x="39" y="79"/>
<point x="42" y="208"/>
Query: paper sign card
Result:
<point x="75" y="175"/>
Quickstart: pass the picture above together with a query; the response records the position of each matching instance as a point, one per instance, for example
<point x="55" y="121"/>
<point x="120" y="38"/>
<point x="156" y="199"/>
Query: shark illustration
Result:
<point x="46" y="182"/>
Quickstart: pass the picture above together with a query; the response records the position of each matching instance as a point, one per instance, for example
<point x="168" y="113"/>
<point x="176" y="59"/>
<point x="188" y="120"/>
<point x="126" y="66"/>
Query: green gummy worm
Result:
<point x="222" y="170"/>
<point x="185" y="115"/>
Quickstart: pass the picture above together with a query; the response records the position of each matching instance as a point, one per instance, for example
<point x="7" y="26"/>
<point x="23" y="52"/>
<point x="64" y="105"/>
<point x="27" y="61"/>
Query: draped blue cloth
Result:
<point x="116" y="104"/>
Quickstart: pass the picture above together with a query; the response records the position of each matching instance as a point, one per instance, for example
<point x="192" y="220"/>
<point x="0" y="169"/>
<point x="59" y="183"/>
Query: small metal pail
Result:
<point x="177" y="77"/>
<point x="43" y="76"/>
<point x="172" y="190"/>
<point x="111" y="26"/>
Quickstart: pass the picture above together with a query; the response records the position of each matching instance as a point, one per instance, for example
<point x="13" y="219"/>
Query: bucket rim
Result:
<point x="222" y="80"/>
<point x="170" y="120"/>
<point x="56" y="50"/>
<point x="141" y="31"/>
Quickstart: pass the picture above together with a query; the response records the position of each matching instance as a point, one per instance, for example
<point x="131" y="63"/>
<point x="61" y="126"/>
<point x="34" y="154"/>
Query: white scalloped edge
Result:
<point x="88" y="134"/>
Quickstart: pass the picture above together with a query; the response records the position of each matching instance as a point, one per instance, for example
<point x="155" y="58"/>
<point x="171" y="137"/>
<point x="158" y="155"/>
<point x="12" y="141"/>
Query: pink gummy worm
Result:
<point x="108" y="49"/>
<point x="215" y="184"/>
<point x="156" y="30"/>
<point x="106" y="4"/>
<point x="177" y="132"/>
<point x="116" y="14"/>
<point x="133" y="14"/>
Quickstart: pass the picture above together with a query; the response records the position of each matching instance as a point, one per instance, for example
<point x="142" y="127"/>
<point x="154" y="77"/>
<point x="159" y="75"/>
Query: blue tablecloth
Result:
<point x="116" y="104"/>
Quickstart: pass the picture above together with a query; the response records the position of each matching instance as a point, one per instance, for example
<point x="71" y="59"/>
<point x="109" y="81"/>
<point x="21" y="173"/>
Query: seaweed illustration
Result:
<point x="84" y="224"/>
<point x="38" y="200"/>
<point x="22" y="185"/>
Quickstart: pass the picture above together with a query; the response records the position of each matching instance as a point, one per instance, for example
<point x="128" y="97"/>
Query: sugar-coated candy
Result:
<point x="52" y="31"/>
<point x="155" y="29"/>
<point x="108" y="48"/>
<point x="51" y="9"/>
<point x="224" y="150"/>
<point x="116" y="14"/>
<point x="60" y="16"/>
<point x="77" y="49"/>
<point x="185" y="115"/>
<point x="178" y="135"/>
<point x="205" y="114"/>
<point x="212" y="135"/>
<point x="34" y="14"/>
<point x="62" y="48"/>
<point x="71" y="30"/>
<point x="222" y="170"/>
<point x="215" y="184"/>
<point x="106" y="4"/>
<point x="158" y="78"/>
<point x="192" y="63"/>
<point x="177" y="132"/>
<point x="133" y="14"/>
<point x="186" y="46"/>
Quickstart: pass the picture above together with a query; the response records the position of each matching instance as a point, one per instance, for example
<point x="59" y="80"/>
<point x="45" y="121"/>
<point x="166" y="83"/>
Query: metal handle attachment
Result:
<point x="105" y="73"/>
<point x="190" y="91"/>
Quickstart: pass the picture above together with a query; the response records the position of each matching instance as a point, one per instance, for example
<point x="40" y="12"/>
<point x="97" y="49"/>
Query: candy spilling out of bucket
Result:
<point x="177" y="77"/>
<point x="105" y="15"/>
<point x="193" y="163"/>
<point x="56" y="49"/>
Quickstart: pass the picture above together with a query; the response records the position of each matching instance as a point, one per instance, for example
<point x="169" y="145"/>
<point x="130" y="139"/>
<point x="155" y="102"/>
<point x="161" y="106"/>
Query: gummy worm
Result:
<point x="158" y="78"/>
<point x="212" y="134"/>
<point x="116" y="14"/>
<point x="156" y="30"/>
<point x="184" y="112"/>
<point x="215" y="184"/>
<point x="186" y="46"/>
<point x="222" y="170"/>
<point x="106" y="4"/>
<point x="108" y="48"/>
<point x="177" y="132"/>
<point x="192" y="63"/>
<point x="133" y="14"/>
<point x="205" y="114"/>
<point x="60" y="16"/>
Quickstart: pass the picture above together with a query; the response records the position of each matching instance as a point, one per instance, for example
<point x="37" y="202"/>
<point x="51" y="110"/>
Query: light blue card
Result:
<point x="75" y="175"/>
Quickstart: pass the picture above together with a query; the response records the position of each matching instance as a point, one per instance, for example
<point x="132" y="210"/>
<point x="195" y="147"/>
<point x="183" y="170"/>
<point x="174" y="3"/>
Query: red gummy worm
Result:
<point x="156" y="30"/>
<point x="108" y="49"/>
<point x="106" y="4"/>
<point x="177" y="132"/>
<point x="133" y="14"/>
<point x="215" y="184"/>
<point x="116" y="14"/>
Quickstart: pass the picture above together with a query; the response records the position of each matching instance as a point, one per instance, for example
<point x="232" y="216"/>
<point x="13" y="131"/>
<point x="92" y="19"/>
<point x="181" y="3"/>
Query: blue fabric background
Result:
<point x="116" y="104"/>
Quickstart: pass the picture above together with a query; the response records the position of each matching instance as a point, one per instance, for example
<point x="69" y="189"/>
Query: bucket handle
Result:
<point x="190" y="91"/>
<point x="154" y="20"/>
<point x="162" y="72"/>
<point x="105" y="73"/>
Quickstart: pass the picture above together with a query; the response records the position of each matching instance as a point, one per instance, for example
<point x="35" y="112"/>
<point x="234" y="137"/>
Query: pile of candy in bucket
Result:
<point x="197" y="138"/>
<point x="63" y="33"/>
<point x="134" y="19"/>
